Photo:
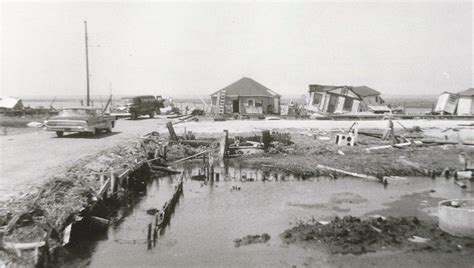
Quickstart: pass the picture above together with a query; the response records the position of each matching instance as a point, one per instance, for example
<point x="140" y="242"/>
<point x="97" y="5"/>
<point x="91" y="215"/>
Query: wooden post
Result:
<point x="223" y="144"/>
<point x="165" y="149"/>
<point x="112" y="181"/>
<point x="173" y="135"/>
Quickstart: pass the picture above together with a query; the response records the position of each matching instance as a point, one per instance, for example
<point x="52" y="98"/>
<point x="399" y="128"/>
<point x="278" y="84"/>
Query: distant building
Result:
<point x="246" y="97"/>
<point x="10" y="104"/>
<point x="466" y="102"/>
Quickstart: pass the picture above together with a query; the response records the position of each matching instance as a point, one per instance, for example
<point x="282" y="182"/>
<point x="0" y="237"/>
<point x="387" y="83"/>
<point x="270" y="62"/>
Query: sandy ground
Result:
<point x="29" y="158"/>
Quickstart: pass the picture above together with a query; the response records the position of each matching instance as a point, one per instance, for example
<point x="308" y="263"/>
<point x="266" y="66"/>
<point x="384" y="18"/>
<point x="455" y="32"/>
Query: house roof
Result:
<point x="361" y="91"/>
<point x="7" y="102"/>
<point x="467" y="92"/>
<point x="248" y="87"/>
<point x="321" y="88"/>
<point x="365" y="91"/>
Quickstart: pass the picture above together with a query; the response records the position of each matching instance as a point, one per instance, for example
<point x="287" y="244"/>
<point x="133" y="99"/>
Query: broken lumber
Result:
<point x="104" y="187"/>
<point x="189" y="157"/>
<point x="354" y="174"/>
<point x="165" y="169"/>
<point x="461" y="184"/>
<point x="25" y="246"/>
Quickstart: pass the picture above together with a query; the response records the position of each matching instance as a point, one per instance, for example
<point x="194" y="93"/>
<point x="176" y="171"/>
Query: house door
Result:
<point x="332" y="103"/>
<point x="235" y="106"/>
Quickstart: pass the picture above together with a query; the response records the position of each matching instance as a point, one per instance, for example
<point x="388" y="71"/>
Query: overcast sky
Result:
<point x="198" y="48"/>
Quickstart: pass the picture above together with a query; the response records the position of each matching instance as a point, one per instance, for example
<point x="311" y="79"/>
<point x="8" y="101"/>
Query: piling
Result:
<point x="149" y="236"/>
<point x="266" y="139"/>
<point x="173" y="135"/>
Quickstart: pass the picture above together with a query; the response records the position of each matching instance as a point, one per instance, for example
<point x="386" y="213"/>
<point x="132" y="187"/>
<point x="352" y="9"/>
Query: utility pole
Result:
<point x="87" y="65"/>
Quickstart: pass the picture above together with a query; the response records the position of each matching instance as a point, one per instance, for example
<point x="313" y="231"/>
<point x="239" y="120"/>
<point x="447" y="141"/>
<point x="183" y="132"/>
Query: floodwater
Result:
<point x="209" y="217"/>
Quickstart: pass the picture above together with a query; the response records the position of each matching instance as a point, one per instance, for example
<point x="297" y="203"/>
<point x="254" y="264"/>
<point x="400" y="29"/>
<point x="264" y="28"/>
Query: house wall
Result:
<point x="264" y="101"/>
<point x="243" y="104"/>
<point x="465" y="106"/>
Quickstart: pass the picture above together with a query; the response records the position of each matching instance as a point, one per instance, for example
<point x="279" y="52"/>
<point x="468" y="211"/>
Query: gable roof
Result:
<point x="467" y="92"/>
<point x="248" y="87"/>
<point x="7" y="102"/>
<point x="365" y="91"/>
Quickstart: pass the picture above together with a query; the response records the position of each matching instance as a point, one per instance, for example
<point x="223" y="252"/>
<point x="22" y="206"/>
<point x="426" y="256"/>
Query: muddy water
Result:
<point x="209" y="217"/>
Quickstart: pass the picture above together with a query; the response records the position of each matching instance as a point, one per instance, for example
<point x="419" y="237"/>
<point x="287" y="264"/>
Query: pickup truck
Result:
<point x="80" y="119"/>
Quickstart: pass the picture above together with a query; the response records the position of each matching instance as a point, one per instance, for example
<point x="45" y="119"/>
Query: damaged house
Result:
<point x="342" y="99"/>
<point x="8" y="104"/>
<point x="461" y="103"/>
<point x="245" y="97"/>
<point x="466" y="102"/>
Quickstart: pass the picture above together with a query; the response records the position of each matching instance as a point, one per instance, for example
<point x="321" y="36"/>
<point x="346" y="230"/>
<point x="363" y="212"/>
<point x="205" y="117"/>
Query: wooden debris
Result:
<point x="354" y="174"/>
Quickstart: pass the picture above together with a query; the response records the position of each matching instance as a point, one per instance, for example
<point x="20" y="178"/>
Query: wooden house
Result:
<point x="245" y="97"/>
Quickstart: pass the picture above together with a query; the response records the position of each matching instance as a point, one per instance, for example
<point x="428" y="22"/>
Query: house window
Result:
<point x="250" y="102"/>
<point x="348" y="104"/>
<point x="317" y="98"/>
<point x="259" y="104"/>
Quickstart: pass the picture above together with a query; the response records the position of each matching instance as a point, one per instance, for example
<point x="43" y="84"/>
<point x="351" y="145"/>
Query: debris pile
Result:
<point x="356" y="236"/>
<point x="251" y="239"/>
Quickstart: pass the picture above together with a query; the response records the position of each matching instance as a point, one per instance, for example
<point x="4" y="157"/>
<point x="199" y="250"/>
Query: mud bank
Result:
<point x="308" y="150"/>
<point x="353" y="235"/>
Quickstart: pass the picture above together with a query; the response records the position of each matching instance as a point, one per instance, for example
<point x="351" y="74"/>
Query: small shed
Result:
<point x="466" y="102"/>
<point x="10" y="104"/>
<point x="333" y="99"/>
<point x="446" y="103"/>
<point x="245" y="96"/>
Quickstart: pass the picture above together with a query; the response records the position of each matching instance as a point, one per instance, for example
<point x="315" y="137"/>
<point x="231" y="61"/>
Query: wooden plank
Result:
<point x="189" y="157"/>
<point x="354" y="174"/>
<point x="104" y="187"/>
<point x="12" y="223"/>
<point x="25" y="246"/>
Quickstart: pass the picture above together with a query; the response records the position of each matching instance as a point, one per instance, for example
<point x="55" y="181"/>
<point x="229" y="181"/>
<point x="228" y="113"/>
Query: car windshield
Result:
<point x="127" y="101"/>
<point x="78" y="111"/>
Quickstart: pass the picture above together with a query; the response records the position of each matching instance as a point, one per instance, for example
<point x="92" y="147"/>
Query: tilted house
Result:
<point x="10" y="104"/>
<point x="466" y="102"/>
<point x="245" y="96"/>
<point x="333" y="99"/>
<point x="369" y="96"/>
<point x="446" y="103"/>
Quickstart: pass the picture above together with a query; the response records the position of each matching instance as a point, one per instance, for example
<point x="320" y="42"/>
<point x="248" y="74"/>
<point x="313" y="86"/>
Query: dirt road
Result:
<point x="29" y="158"/>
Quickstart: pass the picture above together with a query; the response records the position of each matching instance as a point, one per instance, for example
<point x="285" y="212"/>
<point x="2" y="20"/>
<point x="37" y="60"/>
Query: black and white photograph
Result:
<point x="237" y="133"/>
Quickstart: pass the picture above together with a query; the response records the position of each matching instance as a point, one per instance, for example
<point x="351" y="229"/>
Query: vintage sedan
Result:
<point x="80" y="119"/>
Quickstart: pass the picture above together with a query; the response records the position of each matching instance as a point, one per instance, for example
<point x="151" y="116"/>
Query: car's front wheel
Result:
<point x="59" y="134"/>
